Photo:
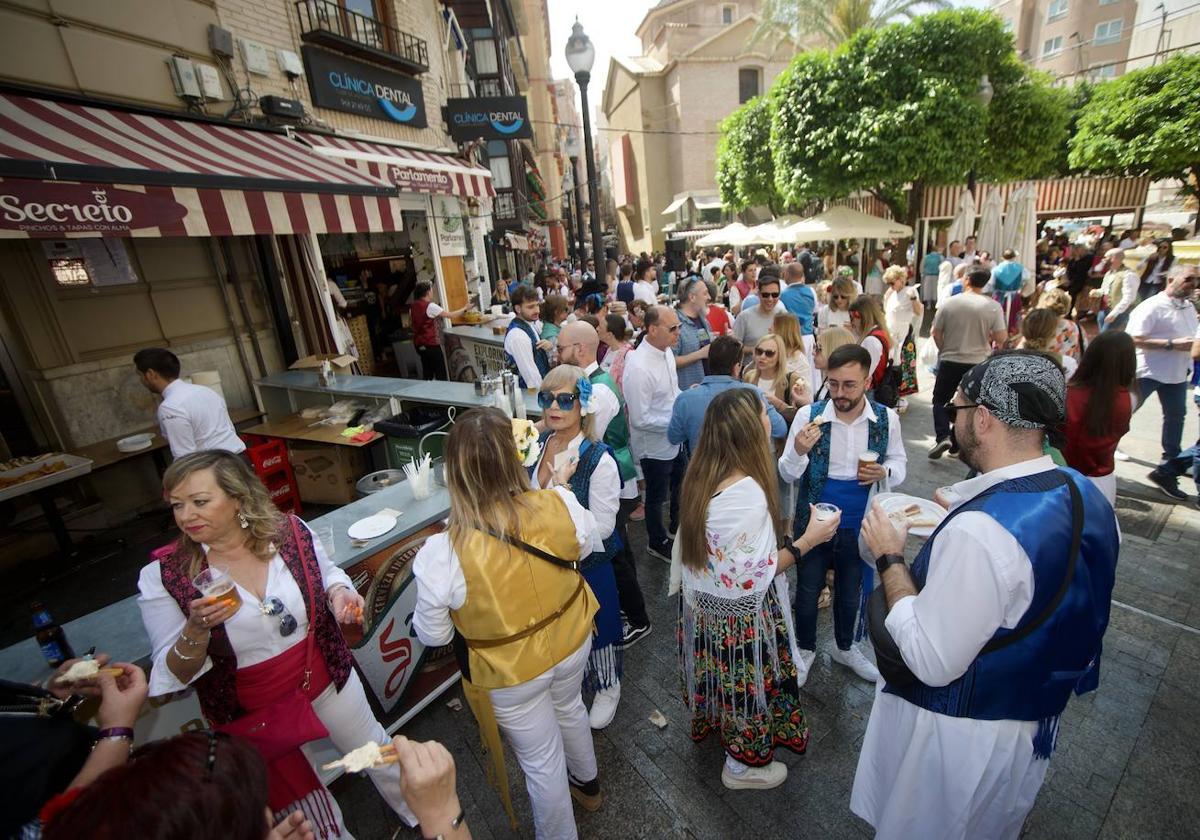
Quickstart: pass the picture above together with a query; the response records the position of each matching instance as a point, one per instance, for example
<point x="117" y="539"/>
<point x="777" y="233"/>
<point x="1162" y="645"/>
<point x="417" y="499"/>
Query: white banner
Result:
<point x="448" y="222"/>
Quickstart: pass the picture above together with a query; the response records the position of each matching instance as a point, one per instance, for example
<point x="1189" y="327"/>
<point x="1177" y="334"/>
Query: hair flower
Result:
<point x="525" y="436"/>
<point x="585" y="394"/>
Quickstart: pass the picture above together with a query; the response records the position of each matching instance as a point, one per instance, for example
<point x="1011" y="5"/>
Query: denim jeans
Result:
<point x="662" y="483"/>
<point x="1105" y="323"/>
<point x="840" y="553"/>
<point x="1172" y="396"/>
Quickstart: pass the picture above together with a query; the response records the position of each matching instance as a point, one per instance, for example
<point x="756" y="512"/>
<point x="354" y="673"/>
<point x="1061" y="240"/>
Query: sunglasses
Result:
<point x="272" y="606"/>
<point x="953" y="409"/>
<point x="762" y="351"/>
<point x="840" y="297"/>
<point x="768" y="294"/>
<point x="565" y="401"/>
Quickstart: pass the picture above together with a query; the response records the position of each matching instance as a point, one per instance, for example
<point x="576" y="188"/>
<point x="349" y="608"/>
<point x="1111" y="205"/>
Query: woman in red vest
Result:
<point x="425" y="314"/>
<point x="868" y="322"/>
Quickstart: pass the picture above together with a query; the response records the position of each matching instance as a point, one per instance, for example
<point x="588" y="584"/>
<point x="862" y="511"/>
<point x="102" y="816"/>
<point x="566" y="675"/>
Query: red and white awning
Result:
<point x="69" y="169"/>
<point x="411" y="170"/>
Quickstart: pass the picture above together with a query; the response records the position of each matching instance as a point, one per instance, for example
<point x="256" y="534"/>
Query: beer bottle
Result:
<point x="50" y="636"/>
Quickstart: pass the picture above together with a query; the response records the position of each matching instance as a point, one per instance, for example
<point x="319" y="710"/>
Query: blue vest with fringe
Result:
<point x="590" y="454"/>
<point x="540" y="358"/>
<point x="1033" y="679"/>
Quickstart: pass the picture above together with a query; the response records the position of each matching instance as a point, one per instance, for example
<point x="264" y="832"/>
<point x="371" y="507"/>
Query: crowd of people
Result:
<point x="748" y="411"/>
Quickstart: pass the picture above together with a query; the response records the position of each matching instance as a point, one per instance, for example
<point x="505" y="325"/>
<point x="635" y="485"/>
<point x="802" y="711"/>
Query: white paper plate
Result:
<point x="135" y="443"/>
<point x="372" y="526"/>
<point x="895" y="502"/>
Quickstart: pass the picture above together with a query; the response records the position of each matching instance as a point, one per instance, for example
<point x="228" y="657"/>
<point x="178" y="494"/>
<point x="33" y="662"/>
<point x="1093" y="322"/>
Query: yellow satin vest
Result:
<point x="510" y="593"/>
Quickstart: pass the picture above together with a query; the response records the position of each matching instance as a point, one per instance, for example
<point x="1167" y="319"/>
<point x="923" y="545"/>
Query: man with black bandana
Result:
<point x="998" y="622"/>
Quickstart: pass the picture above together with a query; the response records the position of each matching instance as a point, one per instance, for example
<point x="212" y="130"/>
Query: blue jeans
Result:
<point x="662" y="481"/>
<point x="1172" y="396"/>
<point x="1105" y="323"/>
<point x="840" y="553"/>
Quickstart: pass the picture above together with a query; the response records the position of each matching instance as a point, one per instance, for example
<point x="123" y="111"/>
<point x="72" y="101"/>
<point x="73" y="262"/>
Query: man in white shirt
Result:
<point x="1117" y="293"/>
<point x="650" y="384"/>
<point x="837" y="449"/>
<point x="998" y="622"/>
<point x="523" y="347"/>
<point x="191" y="417"/>
<point x="577" y="345"/>
<point x="1163" y="327"/>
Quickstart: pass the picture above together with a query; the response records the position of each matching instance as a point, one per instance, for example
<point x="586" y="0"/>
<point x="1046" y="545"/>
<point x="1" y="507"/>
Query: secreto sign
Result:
<point x="47" y="208"/>
<point x="488" y="118"/>
<point x="343" y="84"/>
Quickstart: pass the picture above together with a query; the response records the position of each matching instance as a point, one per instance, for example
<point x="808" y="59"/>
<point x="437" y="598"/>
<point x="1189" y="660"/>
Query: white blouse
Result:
<point x="442" y="586"/>
<point x="255" y="637"/>
<point x="604" y="493"/>
<point x="742" y="557"/>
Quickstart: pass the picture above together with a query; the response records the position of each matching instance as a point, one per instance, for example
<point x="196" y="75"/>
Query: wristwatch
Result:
<point x="454" y="824"/>
<point x="1170" y="344"/>
<point x="885" y="561"/>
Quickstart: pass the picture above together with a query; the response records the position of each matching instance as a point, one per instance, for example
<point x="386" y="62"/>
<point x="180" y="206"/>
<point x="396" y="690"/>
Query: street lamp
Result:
<point x="983" y="95"/>
<point x="581" y="55"/>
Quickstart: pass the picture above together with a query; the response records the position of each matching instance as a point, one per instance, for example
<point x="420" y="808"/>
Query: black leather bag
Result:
<point x="887" y="653"/>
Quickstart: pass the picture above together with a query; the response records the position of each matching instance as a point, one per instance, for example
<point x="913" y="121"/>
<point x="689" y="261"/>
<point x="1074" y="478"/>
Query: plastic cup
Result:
<point x="826" y="511"/>
<point x="215" y="582"/>
<point x="868" y="458"/>
<point x="326" y="536"/>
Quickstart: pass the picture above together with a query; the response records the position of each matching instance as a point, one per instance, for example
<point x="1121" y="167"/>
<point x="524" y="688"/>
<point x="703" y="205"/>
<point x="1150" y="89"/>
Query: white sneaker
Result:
<point x="604" y="706"/>
<point x="856" y="662"/>
<point x="755" y="778"/>
<point x="1119" y="455"/>
<point x="804" y="666"/>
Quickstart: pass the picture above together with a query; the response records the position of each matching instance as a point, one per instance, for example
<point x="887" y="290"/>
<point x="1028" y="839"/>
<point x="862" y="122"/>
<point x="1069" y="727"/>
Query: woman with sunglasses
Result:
<point x="568" y="411"/>
<point x="503" y="583"/>
<point x="836" y="313"/>
<point x="785" y="390"/>
<point x="246" y="659"/>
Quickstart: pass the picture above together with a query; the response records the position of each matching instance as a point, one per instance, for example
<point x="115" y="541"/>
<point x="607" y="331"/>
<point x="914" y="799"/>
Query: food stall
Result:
<point x="477" y="346"/>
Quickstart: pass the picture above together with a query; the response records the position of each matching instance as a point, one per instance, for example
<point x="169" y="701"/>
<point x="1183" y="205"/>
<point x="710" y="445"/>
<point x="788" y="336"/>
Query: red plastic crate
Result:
<point x="283" y="492"/>
<point x="269" y="458"/>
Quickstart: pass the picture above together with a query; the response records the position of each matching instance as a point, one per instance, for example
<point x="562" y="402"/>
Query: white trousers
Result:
<point x="546" y="724"/>
<point x="351" y="723"/>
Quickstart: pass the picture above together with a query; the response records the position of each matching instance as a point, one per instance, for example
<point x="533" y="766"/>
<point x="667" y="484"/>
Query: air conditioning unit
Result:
<point x="278" y="106"/>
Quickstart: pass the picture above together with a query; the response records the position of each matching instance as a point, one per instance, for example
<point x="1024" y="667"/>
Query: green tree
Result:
<point x="895" y="110"/>
<point x="745" y="169"/>
<point x="1146" y="122"/>
<point x="833" y="22"/>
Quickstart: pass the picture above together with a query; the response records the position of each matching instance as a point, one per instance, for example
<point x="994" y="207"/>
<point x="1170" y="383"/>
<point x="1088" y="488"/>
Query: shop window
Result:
<point x="1056" y="10"/>
<point x="83" y="263"/>
<point x="498" y="162"/>
<point x="748" y="84"/>
<point x="1108" y="32"/>
<point x="483" y="47"/>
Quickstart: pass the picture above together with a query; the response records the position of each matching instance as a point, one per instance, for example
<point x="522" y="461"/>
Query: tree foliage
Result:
<point x="745" y="169"/>
<point x="833" y="22"/>
<point x="898" y="107"/>
<point x="1146" y="122"/>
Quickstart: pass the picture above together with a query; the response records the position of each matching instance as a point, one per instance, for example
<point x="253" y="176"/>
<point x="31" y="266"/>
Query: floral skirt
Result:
<point x="908" y="364"/>
<point x="748" y="734"/>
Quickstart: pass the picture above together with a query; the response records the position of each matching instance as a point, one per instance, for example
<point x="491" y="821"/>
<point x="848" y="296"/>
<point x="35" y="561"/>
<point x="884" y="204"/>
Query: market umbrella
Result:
<point x="991" y="225"/>
<point x="733" y="234"/>
<point x="844" y="223"/>
<point x="1020" y="227"/>
<point x="964" y="220"/>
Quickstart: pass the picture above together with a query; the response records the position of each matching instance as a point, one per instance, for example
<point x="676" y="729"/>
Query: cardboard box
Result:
<point x="326" y="474"/>
<point x="341" y="364"/>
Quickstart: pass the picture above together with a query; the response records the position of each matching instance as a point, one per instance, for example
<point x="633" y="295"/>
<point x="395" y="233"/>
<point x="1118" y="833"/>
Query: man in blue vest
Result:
<point x="837" y="449"/>
<point x="523" y="349"/>
<point x="998" y="622"/>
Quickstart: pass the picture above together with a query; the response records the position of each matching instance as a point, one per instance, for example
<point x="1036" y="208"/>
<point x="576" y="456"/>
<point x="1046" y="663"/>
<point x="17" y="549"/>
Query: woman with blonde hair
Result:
<point x="737" y="644"/>
<point x="787" y="327"/>
<point x="836" y="313"/>
<point x="267" y="656"/>
<point x="504" y="583"/>
<point x="868" y="322"/>
<point x="1038" y="331"/>
<point x="784" y="390"/>
<point x="902" y="307"/>
<point x="826" y="343"/>
<point x="568" y="411"/>
<point x="1068" y="338"/>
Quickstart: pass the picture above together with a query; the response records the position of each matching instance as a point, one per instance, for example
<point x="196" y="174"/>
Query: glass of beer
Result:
<point x="826" y="511"/>
<point x="215" y="582"/>
<point x="868" y="458"/>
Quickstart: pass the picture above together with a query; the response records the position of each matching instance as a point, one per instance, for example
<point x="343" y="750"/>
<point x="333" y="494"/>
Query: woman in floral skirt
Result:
<point x="737" y="644"/>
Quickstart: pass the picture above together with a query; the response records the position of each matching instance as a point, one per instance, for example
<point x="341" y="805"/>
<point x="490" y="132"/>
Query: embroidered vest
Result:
<point x="540" y="359"/>
<point x="1008" y="277"/>
<point x="1033" y="678"/>
<point x="511" y="593"/>
<point x="617" y="433"/>
<point x="217" y="689"/>
<point x="813" y="481"/>
<point x="590" y="454"/>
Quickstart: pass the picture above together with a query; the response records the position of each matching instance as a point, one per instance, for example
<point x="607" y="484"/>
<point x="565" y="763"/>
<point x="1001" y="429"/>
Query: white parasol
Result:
<point x="844" y="223"/>
<point x="734" y="234"/>
<point x="991" y="225"/>
<point x="1020" y="227"/>
<point x="964" y="220"/>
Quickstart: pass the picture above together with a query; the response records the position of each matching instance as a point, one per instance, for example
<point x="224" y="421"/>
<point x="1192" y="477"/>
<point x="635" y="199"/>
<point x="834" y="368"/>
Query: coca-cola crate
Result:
<point x="282" y="491"/>
<point x="269" y="457"/>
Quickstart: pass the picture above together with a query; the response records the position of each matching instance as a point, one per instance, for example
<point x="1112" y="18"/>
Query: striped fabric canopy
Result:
<point x="412" y="170"/>
<point x="69" y="169"/>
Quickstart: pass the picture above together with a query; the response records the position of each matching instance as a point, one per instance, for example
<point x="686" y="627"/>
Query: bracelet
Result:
<point x="454" y="824"/>
<point x="115" y="732"/>
<point x="183" y="656"/>
<point x="190" y="642"/>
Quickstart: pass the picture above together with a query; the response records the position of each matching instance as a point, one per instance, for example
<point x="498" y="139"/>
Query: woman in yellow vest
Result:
<point x="503" y="583"/>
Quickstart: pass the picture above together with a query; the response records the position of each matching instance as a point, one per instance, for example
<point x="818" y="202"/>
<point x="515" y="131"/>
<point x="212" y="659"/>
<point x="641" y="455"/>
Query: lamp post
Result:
<point x="581" y="55"/>
<point x="577" y="197"/>
<point x="984" y="97"/>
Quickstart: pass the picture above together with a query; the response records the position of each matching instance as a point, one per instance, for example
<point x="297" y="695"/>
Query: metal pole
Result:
<point x="597" y="238"/>
<point x="581" y="237"/>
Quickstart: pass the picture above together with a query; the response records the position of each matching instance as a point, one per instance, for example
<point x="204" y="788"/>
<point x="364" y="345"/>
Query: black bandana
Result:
<point x="1023" y="390"/>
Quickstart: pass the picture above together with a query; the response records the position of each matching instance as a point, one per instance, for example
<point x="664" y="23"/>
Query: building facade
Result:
<point x="1072" y="39"/>
<point x="663" y="107"/>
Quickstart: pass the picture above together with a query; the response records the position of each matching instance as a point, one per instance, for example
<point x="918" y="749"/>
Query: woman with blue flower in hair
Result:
<point x="570" y="437"/>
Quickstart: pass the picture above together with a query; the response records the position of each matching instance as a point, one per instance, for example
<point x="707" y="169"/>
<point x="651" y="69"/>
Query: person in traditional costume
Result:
<point x="997" y="623"/>
<point x="504" y="584"/>
<point x="824" y="455"/>
<point x="568" y="405"/>
<point x="274" y="667"/>
<point x="737" y="646"/>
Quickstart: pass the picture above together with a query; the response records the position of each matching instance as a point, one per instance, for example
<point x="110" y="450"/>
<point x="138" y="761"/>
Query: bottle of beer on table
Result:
<point x="50" y="636"/>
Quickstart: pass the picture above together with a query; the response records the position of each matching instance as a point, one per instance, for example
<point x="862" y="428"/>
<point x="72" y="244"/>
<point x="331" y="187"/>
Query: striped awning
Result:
<point x="1083" y="196"/>
<point x="411" y="170"/>
<point x="70" y="169"/>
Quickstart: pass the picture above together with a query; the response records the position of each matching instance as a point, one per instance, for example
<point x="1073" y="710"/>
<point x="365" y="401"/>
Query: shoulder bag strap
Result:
<point x="310" y="595"/>
<point x="534" y="550"/>
<point x="1076" y="538"/>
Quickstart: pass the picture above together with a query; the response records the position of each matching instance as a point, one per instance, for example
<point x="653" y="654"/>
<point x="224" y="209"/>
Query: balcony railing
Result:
<point x="328" y="24"/>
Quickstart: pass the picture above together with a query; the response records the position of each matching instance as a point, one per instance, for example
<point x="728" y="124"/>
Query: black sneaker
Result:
<point x="662" y="551"/>
<point x="586" y="794"/>
<point x="631" y="635"/>
<point x="1169" y="484"/>
<point x="939" y="449"/>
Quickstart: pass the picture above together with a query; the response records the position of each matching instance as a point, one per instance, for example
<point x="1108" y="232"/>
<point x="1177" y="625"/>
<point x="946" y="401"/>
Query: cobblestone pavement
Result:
<point x="1127" y="762"/>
